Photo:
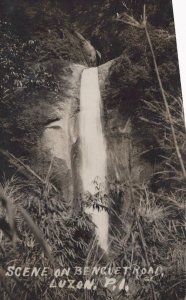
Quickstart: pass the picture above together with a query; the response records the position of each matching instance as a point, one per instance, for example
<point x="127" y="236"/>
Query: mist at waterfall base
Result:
<point x="93" y="150"/>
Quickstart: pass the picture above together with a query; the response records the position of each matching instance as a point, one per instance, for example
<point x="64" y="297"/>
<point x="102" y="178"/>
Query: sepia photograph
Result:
<point x="92" y="151"/>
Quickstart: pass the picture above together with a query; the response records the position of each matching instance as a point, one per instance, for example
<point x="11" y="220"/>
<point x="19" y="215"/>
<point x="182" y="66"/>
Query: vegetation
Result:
<point x="151" y="233"/>
<point x="39" y="227"/>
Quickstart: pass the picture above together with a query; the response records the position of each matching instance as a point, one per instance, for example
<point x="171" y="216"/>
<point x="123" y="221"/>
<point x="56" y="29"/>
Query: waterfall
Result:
<point x="93" y="149"/>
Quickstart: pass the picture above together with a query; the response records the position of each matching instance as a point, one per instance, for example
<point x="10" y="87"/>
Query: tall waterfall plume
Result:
<point x="93" y="150"/>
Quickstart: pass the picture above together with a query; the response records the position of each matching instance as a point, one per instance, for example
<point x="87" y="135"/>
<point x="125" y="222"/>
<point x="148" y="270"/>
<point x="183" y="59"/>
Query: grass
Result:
<point x="71" y="241"/>
<point x="38" y="229"/>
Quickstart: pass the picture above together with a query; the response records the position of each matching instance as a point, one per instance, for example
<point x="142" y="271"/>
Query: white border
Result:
<point x="179" y="8"/>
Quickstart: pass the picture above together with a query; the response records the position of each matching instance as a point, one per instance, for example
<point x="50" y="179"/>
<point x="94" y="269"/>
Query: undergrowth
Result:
<point x="147" y="231"/>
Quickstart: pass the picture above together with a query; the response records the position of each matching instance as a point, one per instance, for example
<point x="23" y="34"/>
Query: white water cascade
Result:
<point x="93" y="148"/>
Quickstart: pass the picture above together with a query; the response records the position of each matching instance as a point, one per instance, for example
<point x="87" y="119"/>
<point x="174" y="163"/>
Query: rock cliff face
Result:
<point x="46" y="129"/>
<point x="123" y="145"/>
<point x="59" y="145"/>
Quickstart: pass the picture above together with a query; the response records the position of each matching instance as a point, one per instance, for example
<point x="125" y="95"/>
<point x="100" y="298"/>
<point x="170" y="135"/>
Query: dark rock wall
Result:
<point x="123" y="145"/>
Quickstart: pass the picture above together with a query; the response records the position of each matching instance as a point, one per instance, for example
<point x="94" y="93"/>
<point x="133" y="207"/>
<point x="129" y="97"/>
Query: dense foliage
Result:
<point x="34" y="33"/>
<point x="152" y="229"/>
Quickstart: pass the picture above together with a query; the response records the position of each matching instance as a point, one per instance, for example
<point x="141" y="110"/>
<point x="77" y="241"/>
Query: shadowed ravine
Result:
<point x="93" y="149"/>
